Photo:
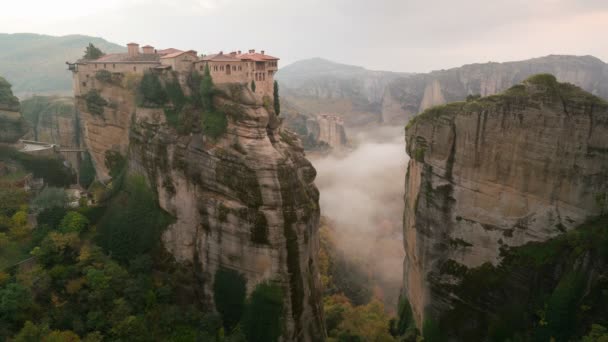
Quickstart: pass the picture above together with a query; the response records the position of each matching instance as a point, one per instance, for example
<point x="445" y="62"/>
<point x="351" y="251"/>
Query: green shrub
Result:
<point x="6" y="95"/>
<point x="214" y="124"/>
<point x="51" y="217"/>
<point x="263" y="321"/>
<point x="229" y="293"/>
<point x="104" y="76"/>
<point x="95" y="102"/>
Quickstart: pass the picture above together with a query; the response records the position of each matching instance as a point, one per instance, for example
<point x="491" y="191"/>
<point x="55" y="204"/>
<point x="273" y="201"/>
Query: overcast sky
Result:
<point x="398" y="35"/>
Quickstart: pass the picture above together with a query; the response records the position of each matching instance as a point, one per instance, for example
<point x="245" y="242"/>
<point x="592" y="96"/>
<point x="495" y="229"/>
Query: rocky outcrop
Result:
<point x="12" y="124"/>
<point x="245" y="200"/>
<point x="497" y="172"/>
<point x="416" y="93"/>
<point x="327" y="129"/>
<point x="53" y="120"/>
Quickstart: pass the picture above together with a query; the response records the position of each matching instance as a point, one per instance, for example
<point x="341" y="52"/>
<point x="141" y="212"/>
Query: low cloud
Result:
<point x="362" y="196"/>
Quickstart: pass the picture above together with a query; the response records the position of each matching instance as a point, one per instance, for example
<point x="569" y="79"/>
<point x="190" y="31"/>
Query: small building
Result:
<point x="181" y="61"/>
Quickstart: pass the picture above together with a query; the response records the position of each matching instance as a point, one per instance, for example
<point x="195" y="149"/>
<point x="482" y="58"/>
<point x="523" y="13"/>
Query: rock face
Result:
<point x="320" y="86"/>
<point x="365" y="96"/>
<point x="244" y="201"/>
<point x="53" y="120"/>
<point x="328" y="129"/>
<point x="497" y="172"/>
<point x="407" y="96"/>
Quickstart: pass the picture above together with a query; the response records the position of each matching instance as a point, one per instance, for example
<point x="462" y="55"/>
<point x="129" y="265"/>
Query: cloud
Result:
<point x="362" y="195"/>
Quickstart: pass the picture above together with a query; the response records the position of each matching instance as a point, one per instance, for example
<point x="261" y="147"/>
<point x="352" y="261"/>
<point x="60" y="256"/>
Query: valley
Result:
<point x="212" y="203"/>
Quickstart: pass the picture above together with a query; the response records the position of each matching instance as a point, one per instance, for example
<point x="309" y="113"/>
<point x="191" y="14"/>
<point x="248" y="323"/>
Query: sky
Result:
<point x="396" y="35"/>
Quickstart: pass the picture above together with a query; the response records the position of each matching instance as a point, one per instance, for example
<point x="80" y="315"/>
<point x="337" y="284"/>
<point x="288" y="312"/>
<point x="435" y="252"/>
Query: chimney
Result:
<point x="133" y="49"/>
<point x="233" y="53"/>
<point x="221" y="52"/>
<point x="148" y="50"/>
<point x="262" y="52"/>
<point x="239" y="52"/>
<point x="252" y="51"/>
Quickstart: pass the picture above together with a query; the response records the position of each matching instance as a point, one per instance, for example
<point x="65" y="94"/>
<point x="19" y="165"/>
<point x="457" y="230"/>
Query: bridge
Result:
<point x="35" y="146"/>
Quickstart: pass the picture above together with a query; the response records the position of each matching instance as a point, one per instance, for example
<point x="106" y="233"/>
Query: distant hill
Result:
<point x="362" y="96"/>
<point x="319" y="85"/>
<point x="35" y="64"/>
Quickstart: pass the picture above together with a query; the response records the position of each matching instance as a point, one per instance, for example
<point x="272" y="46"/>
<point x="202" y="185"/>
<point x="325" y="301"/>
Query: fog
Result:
<point x="362" y="194"/>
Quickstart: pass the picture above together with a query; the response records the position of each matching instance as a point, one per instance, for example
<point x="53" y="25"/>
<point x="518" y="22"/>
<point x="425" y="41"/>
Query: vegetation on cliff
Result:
<point x="554" y="290"/>
<point x="543" y="88"/>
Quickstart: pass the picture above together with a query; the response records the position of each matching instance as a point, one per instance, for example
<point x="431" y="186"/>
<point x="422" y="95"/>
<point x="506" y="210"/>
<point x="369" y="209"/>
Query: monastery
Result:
<point x="234" y="67"/>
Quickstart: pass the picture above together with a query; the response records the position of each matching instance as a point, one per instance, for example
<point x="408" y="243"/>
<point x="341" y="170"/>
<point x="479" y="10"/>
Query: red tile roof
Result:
<point x="167" y="51"/>
<point x="179" y="53"/>
<point x="220" y="57"/>
<point x="258" y="57"/>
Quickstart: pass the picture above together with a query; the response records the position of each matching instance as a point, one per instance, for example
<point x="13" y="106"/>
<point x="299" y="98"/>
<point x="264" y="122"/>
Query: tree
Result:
<point x="263" y="320"/>
<point x="74" y="222"/>
<point x="50" y="198"/>
<point x="15" y="300"/>
<point x="207" y="91"/>
<point x="277" y="104"/>
<point x="32" y="332"/>
<point x="87" y="171"/>
<point x="253" y="86"/>
<point x="229" y="293"/>
<point x="598" y="333"/>
<point x="152" y="91"/>
<point x="92" y="52"/>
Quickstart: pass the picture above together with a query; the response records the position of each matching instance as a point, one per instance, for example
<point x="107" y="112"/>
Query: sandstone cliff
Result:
<point x="493" y="173"/>
<point x="243" y="201"/>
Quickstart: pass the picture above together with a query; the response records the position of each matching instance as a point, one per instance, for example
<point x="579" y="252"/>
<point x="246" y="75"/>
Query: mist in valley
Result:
<point x="362" y="197"/>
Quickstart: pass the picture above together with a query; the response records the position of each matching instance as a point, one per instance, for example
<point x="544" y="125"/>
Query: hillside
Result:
<point x="35" y="64"/>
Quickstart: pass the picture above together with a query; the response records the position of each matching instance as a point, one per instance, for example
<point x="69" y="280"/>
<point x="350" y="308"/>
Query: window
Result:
<point x="95" y="65"/>
<point x="84" y="84"/>
<point x="234" y="68"/>
<point x="104" y="65"/>
<point x="88" y="75"/>
<point x="240" y="68"/>
<point x="200" y="67"/>
<point x="113" y="66"/>
<point x="134" y="68"/>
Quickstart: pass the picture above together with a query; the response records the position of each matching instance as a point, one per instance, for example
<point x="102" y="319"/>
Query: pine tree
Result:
<point x="207" y="91"/>
<point x="253" y="86"/>
<point x="92" y="52"/>
<point x="277" y="104"/>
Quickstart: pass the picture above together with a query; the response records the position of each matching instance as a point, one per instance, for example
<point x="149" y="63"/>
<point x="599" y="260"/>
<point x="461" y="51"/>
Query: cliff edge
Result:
<point x="494" y="173"/>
